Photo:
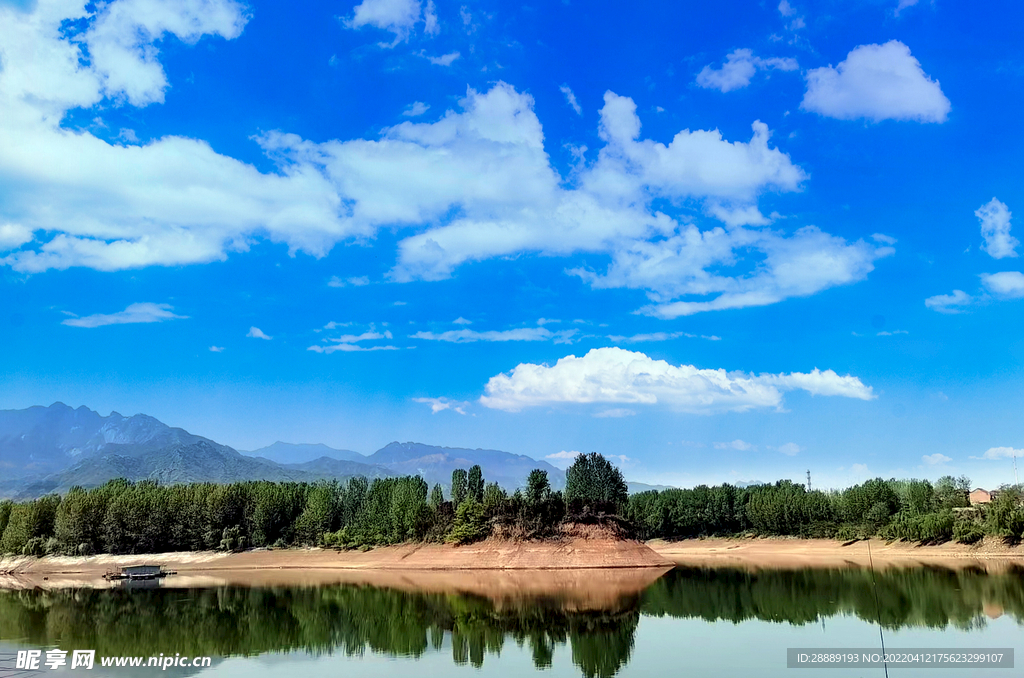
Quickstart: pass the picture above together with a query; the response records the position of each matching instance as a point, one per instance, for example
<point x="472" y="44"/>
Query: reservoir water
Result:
<point x="688" y="621"/>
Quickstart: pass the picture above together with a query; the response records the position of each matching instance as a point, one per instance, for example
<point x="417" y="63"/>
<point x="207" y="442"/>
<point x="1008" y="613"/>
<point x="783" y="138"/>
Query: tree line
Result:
<point x="146" y="517"/>
<point x="911" y="510"/>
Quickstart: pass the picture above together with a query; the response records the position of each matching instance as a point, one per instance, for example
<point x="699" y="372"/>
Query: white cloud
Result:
<point x="442" y="404"/>
<point x="110" y="207"/>
<point x="877" y="82"/>
<point x="659" y="336"/>
<point x="859" y="470"/>
<point x="134" y="313"/>
<point x="995" y="229"/>
<point x="570" y="98"/>
<point x="995" y="453"/>
<point x="903" y="4"/>
<point x="359" y="281"/>
<point x="351" y="342"/>
<point x="737" y="444"/>
<point x="1008" y="284"/>
<point x="949" y="303"/>
<point x="519" y="334"/>
<point x="563" y="455"/>
<point x="348" y="348"/>
<point x="614" y="375"/>
<point x="786" y="9"/>
<point x="475" y="184"/>
<point x="936" y="459"/>
<point x="256" y="333"/>
<point x="885" y="333"/>
<point x="416" y="108"/>
<point x="395" y="16"/>
<point x="444" y="59"/>
<point x="800" y="265"/>
<point x="216" y="349"/>
<point x="13" y="236"/>
<point x="615" y="413"/>
<point x="430" y="23"/>
<point x="790" y="449"/>
<point x="462" y="321"/>
<point x="739" y="67"/>
<point x="547" y="321"/>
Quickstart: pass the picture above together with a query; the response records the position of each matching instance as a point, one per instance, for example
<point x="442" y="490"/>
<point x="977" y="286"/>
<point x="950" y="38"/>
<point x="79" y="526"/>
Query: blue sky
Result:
<point x="718" y="241"/>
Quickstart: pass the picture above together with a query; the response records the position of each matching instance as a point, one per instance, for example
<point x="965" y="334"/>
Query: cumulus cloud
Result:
<point x="1007" y="284"/>
<point x="462" y="321"/>
<point x="109" y="206"/>
<point x="570" y="99"/>
<point x="13" y="236"/>
<point x="256" y="333"/>
<point x="614" y="375"/>
<point x="134" y="313"/>
<point x="995" y="229"/>
<point x="949" y="303"/>
<point x="995" y="453"/>
<point x="877" y="82"/>
<point x="739" y="67"/>
<point x="216" y="349"/>
<point x="518" y="334"/>
<point x="442" y="404"/>
<point x="802" y="264"/>
<point x="474" y="184"/>
<point x="936" y="459"/>
<point x="395" y="16"/>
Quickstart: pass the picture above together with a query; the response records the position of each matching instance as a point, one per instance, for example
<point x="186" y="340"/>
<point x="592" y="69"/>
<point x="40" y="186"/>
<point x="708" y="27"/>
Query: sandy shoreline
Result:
<point x="323" y="565"/>
<point x="989" y="554"/>
<point x="503" y="566"/>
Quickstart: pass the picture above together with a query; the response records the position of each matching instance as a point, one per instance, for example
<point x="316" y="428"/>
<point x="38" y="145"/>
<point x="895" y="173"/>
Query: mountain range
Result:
<point x="51" y="449"/>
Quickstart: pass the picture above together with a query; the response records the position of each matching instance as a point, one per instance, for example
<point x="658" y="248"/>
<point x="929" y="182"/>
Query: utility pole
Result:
<point x="809" y="477"/>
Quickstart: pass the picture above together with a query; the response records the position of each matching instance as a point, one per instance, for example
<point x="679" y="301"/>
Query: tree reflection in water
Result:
<point x="351" y="619"/>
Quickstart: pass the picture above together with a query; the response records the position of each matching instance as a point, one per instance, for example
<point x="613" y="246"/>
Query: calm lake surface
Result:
<point x="691" y="621"/>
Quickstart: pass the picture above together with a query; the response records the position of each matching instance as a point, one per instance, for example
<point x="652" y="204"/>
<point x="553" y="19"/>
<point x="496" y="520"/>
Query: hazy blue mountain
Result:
<point x="436" y="464"/>
<point x="290" y="453"/>
<point x="636" y="488"/>
<point x="327" y="467"/>
<point x="42" y="440"/>
<point x="51" y="449"/>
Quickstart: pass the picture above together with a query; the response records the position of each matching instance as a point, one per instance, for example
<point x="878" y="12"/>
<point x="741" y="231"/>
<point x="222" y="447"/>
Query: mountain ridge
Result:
<point x="51" y="449"/>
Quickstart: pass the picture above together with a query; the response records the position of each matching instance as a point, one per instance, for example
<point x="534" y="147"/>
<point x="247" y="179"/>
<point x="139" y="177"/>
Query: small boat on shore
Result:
<point x="137" y="573"/>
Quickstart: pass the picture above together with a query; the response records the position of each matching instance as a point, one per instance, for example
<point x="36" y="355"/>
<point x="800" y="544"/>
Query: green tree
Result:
<point x="475" y="483"/>
<point x="538" y="487"/>
<point x="436" y="497"/>
<point x="459" y="486"/>
<point x="470" y="523"/>
<point x="952" y="492"/>
<point x="593" y="480"/>
<point x="493" y="497"/>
